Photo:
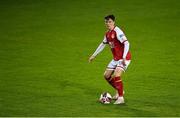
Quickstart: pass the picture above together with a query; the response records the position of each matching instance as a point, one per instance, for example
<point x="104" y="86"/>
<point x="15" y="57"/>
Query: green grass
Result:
<point x="45" y="45"/>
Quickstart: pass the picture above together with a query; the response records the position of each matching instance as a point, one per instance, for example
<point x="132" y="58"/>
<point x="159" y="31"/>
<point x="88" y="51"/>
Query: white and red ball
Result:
<point x="105" y="98"/>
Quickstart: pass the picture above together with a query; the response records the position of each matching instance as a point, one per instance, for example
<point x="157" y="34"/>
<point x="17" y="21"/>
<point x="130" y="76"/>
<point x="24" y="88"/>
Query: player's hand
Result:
<point x="91" y="59"/>
<point x="124" y="62"/>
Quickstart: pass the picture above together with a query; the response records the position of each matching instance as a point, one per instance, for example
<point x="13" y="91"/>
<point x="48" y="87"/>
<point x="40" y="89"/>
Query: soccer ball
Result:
<point x="105" y="98"/>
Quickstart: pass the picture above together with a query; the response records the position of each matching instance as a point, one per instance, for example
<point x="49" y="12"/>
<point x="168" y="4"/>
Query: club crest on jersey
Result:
<point x="113" y="36"/>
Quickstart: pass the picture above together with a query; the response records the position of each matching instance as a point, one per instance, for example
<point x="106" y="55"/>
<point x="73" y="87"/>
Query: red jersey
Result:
<point x="116" y="38"/>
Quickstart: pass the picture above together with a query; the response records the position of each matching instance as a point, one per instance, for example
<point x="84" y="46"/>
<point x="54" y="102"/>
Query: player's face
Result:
<point x="109" y="24"/>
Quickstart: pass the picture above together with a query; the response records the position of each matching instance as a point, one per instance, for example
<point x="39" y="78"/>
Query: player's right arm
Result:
<point x="99" y="49"/>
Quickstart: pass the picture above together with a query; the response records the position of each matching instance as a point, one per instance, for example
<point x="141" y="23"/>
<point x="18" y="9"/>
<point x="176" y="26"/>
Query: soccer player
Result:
<point x="119" y="45"/>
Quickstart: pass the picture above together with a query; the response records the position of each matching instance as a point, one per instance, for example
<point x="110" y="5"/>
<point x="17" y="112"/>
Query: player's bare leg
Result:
<point x="108" y="75"/>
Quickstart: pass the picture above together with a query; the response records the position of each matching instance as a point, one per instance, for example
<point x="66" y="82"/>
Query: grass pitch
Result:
<point x="44" y="50"/>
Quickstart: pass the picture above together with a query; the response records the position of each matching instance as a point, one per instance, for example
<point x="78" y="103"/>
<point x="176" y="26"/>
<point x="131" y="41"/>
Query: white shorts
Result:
<point x="113" y="64"/>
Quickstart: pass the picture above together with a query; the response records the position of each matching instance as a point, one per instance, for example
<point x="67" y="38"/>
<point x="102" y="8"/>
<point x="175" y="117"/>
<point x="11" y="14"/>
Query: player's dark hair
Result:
<point x="110" y="17"/>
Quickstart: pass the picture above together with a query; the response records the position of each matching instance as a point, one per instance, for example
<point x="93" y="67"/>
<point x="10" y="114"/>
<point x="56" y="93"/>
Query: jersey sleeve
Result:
<point x="120" y="35"/>
<point x="105" y="40"/>
<point x="99" y="49"/>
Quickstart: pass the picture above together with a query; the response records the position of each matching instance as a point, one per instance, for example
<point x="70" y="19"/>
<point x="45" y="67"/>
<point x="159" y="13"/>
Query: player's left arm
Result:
<point x="122" y="38"/>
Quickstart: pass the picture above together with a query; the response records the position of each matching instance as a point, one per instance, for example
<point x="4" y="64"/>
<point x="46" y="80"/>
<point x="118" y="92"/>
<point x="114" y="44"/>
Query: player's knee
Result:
<point x="118" y="73"/>
<point x="107" y="76"/>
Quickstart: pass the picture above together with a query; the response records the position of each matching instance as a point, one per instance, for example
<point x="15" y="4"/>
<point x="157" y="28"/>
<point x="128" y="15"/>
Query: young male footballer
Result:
<point x="119" y="45"/>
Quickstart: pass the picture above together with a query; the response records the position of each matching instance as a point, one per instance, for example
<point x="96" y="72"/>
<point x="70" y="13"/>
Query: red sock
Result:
<point x="111" y="82"/>
<point x="117" y="82"/>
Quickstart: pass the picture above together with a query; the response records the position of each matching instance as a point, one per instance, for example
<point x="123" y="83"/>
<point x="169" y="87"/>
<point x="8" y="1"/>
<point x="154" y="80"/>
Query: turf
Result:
<point x="45" y="45"/>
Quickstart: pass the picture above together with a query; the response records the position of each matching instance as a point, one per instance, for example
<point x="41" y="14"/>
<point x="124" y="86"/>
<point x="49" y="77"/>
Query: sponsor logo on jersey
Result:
<point x="111" y="44"/>
<point x="121" y="35"/>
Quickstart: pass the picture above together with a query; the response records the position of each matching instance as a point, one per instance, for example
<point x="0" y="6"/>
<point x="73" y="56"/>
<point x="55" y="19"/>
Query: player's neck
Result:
<point x="111" y="28"/>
